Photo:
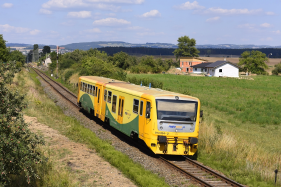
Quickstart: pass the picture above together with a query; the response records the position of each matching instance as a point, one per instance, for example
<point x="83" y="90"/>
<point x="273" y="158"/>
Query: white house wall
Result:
<point x="228" y="70"/>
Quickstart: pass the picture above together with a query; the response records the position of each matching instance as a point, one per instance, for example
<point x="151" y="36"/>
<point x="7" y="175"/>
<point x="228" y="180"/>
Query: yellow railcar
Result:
<point x="167" y="122"/>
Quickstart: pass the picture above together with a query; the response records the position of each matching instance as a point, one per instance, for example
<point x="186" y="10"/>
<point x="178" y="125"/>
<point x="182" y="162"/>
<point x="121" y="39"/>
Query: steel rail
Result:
<point x="213" y="173"/>
<point x="228" y="182"/>
<point x="50" y="81"/>
<point x="188" y="174"/>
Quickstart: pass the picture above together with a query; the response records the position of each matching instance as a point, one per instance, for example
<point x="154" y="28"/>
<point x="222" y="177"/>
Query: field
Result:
<point x="240" y="132"/>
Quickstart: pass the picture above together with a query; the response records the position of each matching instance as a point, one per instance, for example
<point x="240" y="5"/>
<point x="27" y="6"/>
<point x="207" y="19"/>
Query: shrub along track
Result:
<point x="179" y="165"/>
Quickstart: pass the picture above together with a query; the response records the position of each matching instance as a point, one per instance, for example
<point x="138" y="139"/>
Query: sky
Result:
<point x="60" y="22"/>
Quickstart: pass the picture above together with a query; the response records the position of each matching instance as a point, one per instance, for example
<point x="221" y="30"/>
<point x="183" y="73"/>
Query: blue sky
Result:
<point x="61" y="22"/>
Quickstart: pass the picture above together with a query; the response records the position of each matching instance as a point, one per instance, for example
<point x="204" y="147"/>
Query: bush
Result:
<point x="277" y="69"/>
<point x="68" y="74"/>
<point x="18" y="145"/>
<point x="146" y="81"/>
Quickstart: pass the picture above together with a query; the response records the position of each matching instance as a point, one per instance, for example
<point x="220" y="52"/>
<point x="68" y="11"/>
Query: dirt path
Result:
<point x="89" y="168"/>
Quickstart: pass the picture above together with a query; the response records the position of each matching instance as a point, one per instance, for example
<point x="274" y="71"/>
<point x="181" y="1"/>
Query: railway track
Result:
<point x="71" y="97"/>
<point x="192" y="169"/>
<point x="198" y="172"/>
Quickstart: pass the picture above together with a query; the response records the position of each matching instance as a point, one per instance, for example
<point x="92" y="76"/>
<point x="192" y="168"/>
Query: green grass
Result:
<point x="50" y="114"/>
<point x="245" y="111"/>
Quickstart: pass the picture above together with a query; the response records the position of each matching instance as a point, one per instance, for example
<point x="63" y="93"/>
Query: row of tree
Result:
<point x="19" y="152"/>
<point x="7" y="55"/>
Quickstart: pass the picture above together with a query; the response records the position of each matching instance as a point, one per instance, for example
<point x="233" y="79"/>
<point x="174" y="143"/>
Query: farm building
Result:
<point x="187" y="62"/>
<point x="223" y="69"/>
<point x="200" y="68"/>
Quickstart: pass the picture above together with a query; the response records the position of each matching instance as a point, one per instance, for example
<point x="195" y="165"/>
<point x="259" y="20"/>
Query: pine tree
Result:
<point x="18" y="145"/>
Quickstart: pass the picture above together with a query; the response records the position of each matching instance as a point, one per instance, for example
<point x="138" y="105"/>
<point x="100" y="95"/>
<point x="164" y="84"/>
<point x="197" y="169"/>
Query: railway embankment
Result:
<point x="142" y="169"/>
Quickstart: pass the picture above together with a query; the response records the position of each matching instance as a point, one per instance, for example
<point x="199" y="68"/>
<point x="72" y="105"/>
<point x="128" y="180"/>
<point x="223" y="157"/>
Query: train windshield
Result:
<point x="176" y="110"/>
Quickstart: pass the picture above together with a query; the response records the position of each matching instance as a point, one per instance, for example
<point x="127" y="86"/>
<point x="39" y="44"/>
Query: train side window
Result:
<point x="114" y="103"/>
<point x="99" y="96"/>
<point x="136" y="106"/>
<point x="105" y="95"/>
<point x="109" y="96"/>
<point x="81" y="86"/>
<point x="141" y="107"/>
<point x="90" y="89"/>
<point x="93" y="90"/>
<point x="96" y="93"/>
<point x="147" y="115"/>
<point x="85" y="88"/>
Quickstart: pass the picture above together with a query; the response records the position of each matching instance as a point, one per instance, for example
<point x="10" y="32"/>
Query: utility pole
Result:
<point x="58" y="58"/>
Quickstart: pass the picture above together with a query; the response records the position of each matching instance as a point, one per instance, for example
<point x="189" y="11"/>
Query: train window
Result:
<point x="141" y="107"/>
<point x="114" y="103"/>
<point x="105" y="95"/>
<point x="147" y="115"/>
<point x="109" y="96"/>
<point x="96" y="92"/>
<point x="136" y="106"/>
<point x="99" y="96"/>
<point x="85" y="88"/>
<point x="90" y="89"/>
<point x="81" y="86"/>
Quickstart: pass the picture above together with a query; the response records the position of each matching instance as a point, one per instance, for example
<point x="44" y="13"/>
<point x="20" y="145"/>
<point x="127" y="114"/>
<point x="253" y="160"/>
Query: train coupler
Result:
<point x="163" y="140"/>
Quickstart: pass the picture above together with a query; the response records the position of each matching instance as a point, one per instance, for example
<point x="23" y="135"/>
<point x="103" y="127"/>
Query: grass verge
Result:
<point x="240" y="133"/>
<point x="48" y="113"/>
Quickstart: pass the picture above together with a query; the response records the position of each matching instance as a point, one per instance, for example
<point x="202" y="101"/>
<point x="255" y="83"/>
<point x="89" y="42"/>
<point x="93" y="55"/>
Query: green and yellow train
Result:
<point x="167" y="122"/>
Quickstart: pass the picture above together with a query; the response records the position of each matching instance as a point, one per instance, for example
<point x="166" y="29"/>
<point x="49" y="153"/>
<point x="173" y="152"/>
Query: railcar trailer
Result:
<point x="167" y="122"/>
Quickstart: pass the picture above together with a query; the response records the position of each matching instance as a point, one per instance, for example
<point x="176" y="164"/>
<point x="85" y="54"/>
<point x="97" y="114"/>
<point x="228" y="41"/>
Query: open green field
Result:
<point x="240" y="132"/>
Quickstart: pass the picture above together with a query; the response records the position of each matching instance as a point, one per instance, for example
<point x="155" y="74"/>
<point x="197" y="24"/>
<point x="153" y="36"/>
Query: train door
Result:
<point x="120" y="110"/>
<point x="98" y="108"/>
<point x="103" y="105"/>
<point x="145" y="118"/>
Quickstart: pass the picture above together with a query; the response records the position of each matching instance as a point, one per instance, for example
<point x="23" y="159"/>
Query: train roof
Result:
<point x="137" y="89"/>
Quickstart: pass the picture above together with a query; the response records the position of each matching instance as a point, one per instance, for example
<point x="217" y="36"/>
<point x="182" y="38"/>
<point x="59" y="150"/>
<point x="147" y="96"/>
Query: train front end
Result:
<point x="177" y="127"/>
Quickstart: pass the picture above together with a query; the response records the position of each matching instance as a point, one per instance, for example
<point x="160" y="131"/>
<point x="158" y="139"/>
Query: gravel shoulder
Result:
<point x="149" y="162"/>
<point x="89" y="168"/>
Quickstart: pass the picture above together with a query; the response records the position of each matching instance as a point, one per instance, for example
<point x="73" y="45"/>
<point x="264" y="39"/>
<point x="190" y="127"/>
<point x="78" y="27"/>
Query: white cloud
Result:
<point x="152" y="13"/>
<point x="135" y="28"/>
<point x="277" y="32"/>
<point x="270" y="13"/>
<point x="7" y="5"/>
<point x="247" y="26"/>
<point x="34" y="32"/>
<point x="45" y="11"/>
<point x="97" y="4"/>
<point x="111" y="22"/>
<point x="265" y="25"/>
<point x="94" y="30"/>
<point x="63" y="3"/>
<point x="150" y="33"/>
<point x="266" y="39"/>
<point x="118" y="1"/>
<point x="190" y="6"/>
<point x="12" y="29"/>
<point x="213" y="19"/>
<point x="233" y="11"/>
<point x="19" y="30"/>
<point x="81" y="14"/>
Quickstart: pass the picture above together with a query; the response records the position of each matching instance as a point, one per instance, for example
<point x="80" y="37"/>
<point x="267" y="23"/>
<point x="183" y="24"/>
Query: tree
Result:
<point x="46" y="49"/>
<point x="253" y="61"/>
<point x="18" y="145"/>
<point x="277" y="69"/>
<point x="4" y="52"/>
<point x="35" y="56"/>
<point x="17" y="56"/>
<point x="186" y="47"/>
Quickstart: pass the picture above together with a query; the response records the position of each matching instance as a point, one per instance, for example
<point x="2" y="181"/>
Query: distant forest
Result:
<point x="276" y="52"/>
